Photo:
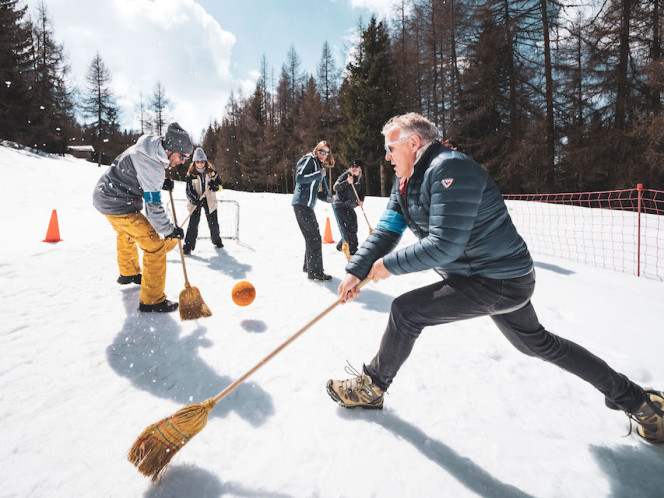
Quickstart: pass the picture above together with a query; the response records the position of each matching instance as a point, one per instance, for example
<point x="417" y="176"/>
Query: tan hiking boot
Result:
<point x="649" y="417"/>
<point x="356" y="391"/>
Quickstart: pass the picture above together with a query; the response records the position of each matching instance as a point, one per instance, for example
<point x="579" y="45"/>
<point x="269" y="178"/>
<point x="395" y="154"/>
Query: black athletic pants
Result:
<point x="313" y="255"/>
<point x="348" y="224"/>
<point x="192" y="229"/>
<point x="508" y="303"/>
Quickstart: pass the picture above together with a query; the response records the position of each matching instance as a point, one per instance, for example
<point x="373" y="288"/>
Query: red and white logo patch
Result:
<point x="447" y="182"/>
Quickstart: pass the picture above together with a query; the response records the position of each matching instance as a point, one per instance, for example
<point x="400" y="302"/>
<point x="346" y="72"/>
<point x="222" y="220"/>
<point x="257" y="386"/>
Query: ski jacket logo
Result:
<point x="447" y="182"/>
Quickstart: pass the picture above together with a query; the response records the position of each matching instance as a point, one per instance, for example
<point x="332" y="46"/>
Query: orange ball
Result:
<point x="243" y="293"/>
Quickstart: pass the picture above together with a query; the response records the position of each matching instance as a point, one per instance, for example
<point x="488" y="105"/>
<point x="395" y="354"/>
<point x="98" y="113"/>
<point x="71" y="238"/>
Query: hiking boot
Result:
<point x="131" y="279"/>
<point x="219" y="244"/>
<point x="356" y="391"/>
<point x="649" y="417"/>
<point x="321" y="277"/>
<point x="165" y="306"/>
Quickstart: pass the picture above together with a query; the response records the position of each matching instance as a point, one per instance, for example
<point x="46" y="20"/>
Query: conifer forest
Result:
<point x="546" y="95"/>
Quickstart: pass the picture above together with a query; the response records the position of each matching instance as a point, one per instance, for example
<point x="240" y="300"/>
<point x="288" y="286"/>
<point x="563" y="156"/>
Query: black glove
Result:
<point x="178" y="233"/>
<point x="200" y="202"/>
<point x="168" y="184"/>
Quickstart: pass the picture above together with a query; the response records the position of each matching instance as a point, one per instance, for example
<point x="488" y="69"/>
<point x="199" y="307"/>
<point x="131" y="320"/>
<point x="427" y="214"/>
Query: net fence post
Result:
<point x="639" y="192"/>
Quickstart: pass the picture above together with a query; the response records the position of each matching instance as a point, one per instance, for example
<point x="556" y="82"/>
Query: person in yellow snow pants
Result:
<point x="134" y="230"/>
<point x="131" y="186"/>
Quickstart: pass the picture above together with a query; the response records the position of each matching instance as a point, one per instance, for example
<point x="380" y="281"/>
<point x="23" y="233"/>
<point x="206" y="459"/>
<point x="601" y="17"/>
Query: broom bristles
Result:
<point x="159" y="442"/>
<point x="192" y="305"/>
<point x="345" y="249"/>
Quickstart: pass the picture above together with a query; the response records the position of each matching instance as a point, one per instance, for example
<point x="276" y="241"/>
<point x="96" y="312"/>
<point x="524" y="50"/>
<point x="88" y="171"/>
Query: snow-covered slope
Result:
<point x="82" y="372"/>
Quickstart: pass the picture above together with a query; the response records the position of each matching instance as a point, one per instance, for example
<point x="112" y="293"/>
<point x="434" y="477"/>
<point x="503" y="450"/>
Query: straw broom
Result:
<point x="158" y="443"/>
<point x="192" y="305"/>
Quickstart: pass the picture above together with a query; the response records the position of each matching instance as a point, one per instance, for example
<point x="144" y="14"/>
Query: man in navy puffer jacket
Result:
<point x="466" y="235"/>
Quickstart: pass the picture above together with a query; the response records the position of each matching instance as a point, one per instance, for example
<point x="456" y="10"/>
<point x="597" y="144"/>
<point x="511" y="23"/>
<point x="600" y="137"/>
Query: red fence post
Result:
<point x="639" y="191"/>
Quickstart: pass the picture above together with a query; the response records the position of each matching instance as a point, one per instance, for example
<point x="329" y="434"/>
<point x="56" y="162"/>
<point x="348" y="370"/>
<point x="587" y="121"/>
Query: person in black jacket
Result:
<point x="466" y="235"/>
<point x="201" y="178"/>
<point x="346" y="200"/>
<point x="309" y="175"/>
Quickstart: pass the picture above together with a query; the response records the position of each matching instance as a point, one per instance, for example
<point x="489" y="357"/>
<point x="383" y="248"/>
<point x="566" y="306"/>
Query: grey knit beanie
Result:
<point x="199" y="155"/>
<point x="177" y="140"/>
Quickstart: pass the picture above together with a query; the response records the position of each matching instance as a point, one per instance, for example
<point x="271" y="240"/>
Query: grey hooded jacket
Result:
<point x="458" y="214"/>
<point x="136" y="175"/>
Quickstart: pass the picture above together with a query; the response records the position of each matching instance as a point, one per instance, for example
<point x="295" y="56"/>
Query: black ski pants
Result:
<point x="192" y="229"/>
<point x="348" y="223"/>
<point x="313" y="254"/>
<point x="507" y="301"/>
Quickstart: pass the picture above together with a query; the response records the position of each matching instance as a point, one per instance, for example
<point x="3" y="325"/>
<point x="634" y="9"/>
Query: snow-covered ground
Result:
<point x="82" y="372"/>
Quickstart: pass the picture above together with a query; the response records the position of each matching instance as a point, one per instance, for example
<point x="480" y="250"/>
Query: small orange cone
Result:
<point x="327" y="238"/>
<point x="53" y="232"/>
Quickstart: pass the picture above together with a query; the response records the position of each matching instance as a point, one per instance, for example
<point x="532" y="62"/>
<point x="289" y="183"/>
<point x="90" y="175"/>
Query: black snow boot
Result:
<point x="131" y="279"/>
<point x="165" y="306"/>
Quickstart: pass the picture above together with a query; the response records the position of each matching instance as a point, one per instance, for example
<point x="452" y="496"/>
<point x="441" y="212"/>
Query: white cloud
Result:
<point x="382" y="8"/>
<point x="175" y="42"/>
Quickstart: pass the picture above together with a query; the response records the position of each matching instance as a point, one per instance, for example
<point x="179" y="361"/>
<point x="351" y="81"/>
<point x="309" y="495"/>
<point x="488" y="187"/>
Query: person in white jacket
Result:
<point x="135" y="178"/>
<point x="202" y="178"/>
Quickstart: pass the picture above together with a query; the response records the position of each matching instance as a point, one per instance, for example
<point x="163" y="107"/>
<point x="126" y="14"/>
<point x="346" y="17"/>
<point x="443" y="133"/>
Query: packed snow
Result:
<point x="83" y="372"/>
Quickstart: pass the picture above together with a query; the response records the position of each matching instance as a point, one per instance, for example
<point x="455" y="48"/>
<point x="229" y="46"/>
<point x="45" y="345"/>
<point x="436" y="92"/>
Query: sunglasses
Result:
<point x="388" y="150"/>
<point x="199" y="162"/>
<point x="324" y="152"/>
<point x="354" y="166"/>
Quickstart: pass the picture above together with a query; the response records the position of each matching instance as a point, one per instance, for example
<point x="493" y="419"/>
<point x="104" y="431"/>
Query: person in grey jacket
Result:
<point x="349" y="193"/>
<point x="309" y="174"/>
<point x="135" y="179"/>
<point x="466" y="235"/>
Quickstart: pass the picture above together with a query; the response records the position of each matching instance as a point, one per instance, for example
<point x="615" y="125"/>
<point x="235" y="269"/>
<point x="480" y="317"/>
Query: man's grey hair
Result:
<point x="412" y="124"/>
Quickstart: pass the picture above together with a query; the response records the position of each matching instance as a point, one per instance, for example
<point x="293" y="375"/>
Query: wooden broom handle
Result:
<point x="365" y="214"/>
<point x="175" y="219"/>
<point x="283" y="345"/>
<point x="192" y="211"/>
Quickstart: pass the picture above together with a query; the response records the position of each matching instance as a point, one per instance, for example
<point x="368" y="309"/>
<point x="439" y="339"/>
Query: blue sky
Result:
<point x="200" y="50"/>
<point x="271" y="26"/>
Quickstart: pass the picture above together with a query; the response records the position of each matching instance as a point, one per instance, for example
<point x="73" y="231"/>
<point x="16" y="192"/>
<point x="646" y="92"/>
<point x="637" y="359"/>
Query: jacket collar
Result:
<point x="419" y="169"/>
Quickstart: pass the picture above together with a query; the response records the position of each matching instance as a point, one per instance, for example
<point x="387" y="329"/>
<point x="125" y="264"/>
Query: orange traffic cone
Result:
<point x="53" y="232"/>
<point x="327" y="238"/>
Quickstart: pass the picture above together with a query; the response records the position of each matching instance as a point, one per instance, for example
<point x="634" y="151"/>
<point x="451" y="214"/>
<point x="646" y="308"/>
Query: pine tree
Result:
<point x="367" y="102"/>
<point x="327" y="82"/>
<point x="99" y="103"/>
<point x="484" y="131"/>
<point x="158" y="107"/>
<point x="253" y="164"/>
<point x="50" y="108"/>
<point x="15" y="62"/>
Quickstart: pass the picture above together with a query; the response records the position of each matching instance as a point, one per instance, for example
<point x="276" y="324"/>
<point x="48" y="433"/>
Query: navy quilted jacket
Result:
<point x="458" y="214"/>
<point x="309" y="174"/>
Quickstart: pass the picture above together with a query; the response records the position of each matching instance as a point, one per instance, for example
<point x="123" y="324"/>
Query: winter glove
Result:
<point x="215" y="185"/>
<point x="168" y="184"/>
<point x="178" y="233"/>
<point x="200" y="202"/>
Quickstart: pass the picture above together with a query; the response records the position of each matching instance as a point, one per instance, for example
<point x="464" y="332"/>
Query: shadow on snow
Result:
<point x="150" y="352"/>
<point x="463" y="469"/>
